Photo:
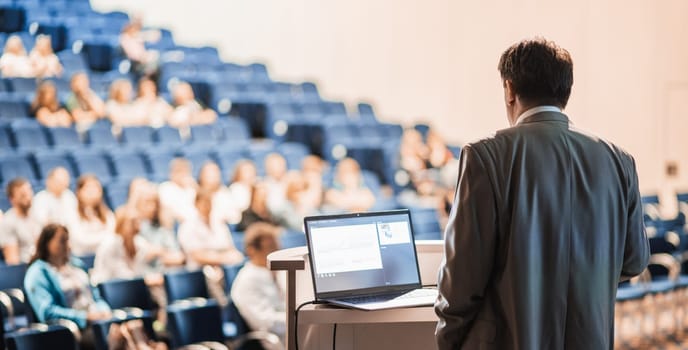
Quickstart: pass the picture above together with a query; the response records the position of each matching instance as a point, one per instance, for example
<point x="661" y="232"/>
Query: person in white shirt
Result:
<point x="126" y="254"/>
<point x="95" y="221"/>
<point x="210" y="180"/>
<point x="56" y="204"/>
<point x="120" y="106"/>
<point x="177" y="195"/>
<point x="152" y="105"/>
<point x="14" y="62"/>
<point x="158" y="228"/>
<point x="240" y="188"/>
<point x="18" y="229"/>
<point x="207" y="241"/>
<point x="45" y="62"/>
<point x="257" y="292"/>
<point x="188" y="111"/>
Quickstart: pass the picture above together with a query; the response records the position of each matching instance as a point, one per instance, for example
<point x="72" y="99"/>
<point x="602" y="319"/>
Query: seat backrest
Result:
<point x="183" y="284"/>
<point x="128" y="164"/>
<point x="14" y="166"/>
<point x="190" y="323"/>
<point x="63" y="137"/>
<point x="49" y="337"/>
<point x="122" y="293"/>
<point x="100" y="137"/>
<point x="168" y="135"/>
<point x="93" y="163"/>
<point x="46" y="161"/>
<point x="30" y="138"/>
<point x="137" y="135"/>
<point x="101" y="329"/>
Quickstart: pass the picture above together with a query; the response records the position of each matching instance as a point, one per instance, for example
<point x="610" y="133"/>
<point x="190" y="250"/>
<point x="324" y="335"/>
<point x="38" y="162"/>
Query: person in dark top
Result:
<point x="258" y="210"/>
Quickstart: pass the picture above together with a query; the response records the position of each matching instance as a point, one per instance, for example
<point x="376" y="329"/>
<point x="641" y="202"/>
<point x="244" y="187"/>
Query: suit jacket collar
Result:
<point x="546" y="117"/>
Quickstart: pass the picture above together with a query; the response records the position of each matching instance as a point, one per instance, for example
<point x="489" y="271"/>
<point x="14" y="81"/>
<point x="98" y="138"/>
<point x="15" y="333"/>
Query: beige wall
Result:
<point x="436" y="60"/>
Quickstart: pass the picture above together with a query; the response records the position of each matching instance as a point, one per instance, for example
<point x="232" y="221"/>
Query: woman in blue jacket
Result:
<point x="58" y="287"/>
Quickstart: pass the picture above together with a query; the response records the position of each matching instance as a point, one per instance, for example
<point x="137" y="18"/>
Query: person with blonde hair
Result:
<point x="14" y="62"/>
<point x="149" y="103"/>
<point x="188" y="111"/>
<point x="45" y="62"/>
<point x="83" y="103"/>
<point x="243" y="179"/>
<point x="120" y="108"/>
<point x="349" y="192"/>
<point x="47" y="108"/>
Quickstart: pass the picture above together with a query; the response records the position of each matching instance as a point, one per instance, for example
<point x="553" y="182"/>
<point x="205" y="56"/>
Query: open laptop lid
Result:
<point x="362" y="253"/>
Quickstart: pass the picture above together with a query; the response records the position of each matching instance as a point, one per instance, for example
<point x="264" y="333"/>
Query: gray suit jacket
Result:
<point x="545" y="222"/>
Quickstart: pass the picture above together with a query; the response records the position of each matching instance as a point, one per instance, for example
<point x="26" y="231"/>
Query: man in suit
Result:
<point x="546" y="221"/>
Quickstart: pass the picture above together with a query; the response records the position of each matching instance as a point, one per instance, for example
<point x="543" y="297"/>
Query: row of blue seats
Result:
<point x="27" y="135"/>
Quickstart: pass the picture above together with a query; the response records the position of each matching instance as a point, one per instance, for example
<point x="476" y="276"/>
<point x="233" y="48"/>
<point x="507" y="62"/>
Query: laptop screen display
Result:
<point x="362" y="252"/>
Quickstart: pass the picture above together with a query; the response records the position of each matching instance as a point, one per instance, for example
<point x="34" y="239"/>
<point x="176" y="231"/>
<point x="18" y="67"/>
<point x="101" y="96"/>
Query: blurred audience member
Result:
<point x="56" y="204"/>
<point x="668" y="196"/>
<point x="83" y="103"/>
<point x="187" y="110"/>
<point x="47" y="109"/>
<point x="58" y="287"/>
<point x="242" y="182"/>
<point x="276" y="178"/>
<point x="137" y="186"/>
<point x="157" y="228"/>
<point x="126" y="255"/>
<point x="14" y="62"/>
<point x="313" y="168"/>
<point x="45" y="62"/>
<point x="120" y="108"/>
<point x="207" y="241"/>
<point x="298" y="205"/>
<point x="438" y="152"/>
<point x="133" y="40"/>
<point x="412" y="152"/>
<point x="157" y="110"/>
<point x="258" y="210"/>
<point x="95" y="222"/>
<point x="210" y="181"/>
<point x="256" y="291"/>
<point x="18" y="229"/>
<point x="177" y="195"/>
<point x="349" y="192"/>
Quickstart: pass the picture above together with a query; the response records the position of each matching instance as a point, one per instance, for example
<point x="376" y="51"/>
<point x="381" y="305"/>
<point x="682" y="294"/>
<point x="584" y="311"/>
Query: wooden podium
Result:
<point x="405" y="328"/>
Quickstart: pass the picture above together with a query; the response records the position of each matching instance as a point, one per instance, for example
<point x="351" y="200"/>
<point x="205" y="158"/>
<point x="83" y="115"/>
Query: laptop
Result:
<point x="365" y="261"/>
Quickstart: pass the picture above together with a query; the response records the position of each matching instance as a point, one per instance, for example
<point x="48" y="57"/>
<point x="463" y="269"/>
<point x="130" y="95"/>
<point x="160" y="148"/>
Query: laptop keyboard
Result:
<point x="416" y="293"/>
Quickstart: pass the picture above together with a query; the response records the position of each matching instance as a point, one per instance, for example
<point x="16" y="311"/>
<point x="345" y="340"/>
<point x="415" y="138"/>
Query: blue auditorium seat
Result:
<point x="158" y="160"/>
<point x="46" y="160"/>
<point x="294" y="153"/>
<point x="366" y="112"/>
<point x="116" y="192"/>
<point x="16" y="165"/>
<point x="425" y="223"/>
<point x="50" y="337"/>
<point x="23" y="85"/>
<point x="63" y="138"/>
<point x="57" y="33"/>
<point x="234" y="130"/>
<point x="208" y="134"/>
<point x="12" y="19"/>
<point x="190" y="323"/>
<point x="11" y="108"/>
<point x="99" y="55"/>
<point x="12" y="284"/>
<point x="100" y="136"/>
<point x="128" y="164"/>
<point x="5" y="139"/>
<point x="92" y="162"/>
<point x="101" y="329"/>
<point x="183" y="284"/>
<point x="72" y="62"/>
<point x="227" y="159"/>
<point x="123" y="293"/>
<point x="198" y="156"/>
<point x="137" y="136"/>
<point x="168" y="135"/>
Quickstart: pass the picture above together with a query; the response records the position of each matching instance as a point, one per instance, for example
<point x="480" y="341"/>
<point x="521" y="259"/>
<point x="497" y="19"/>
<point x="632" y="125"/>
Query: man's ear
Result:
<point x="509" y="93"/>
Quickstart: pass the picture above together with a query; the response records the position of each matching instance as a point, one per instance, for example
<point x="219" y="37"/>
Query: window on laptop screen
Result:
<point x="364" y="252"/>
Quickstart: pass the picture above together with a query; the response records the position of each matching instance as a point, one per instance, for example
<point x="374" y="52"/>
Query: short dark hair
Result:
<point x="256" y="232"/>
<point x="540" y="71"/>
<point x="13" y="185"/>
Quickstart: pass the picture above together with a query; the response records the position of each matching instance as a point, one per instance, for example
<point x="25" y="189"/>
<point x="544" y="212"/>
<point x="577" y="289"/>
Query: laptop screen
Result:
<point x="362" y="253"/>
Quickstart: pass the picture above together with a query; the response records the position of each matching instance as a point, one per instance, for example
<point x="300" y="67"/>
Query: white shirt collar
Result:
<point x="535" y="110"/>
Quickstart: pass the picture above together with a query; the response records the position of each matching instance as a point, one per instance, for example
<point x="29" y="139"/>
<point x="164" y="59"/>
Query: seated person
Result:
<point x="256" y="292"/>
<point x="47" y="109"/>
<point x="206" y="241"/>
<point x="132" y="40"/>
<point x="120" y="108"/>
<point x="241" y="184"/>
<point x="157" y="228"/>
<point x="14" y="62"/>
<point x="95" y="222"/>
<point x="126" y="255"/>
<point x="276" y="177"/>
<point x="177" y="195"/>
<point x="210" y="180"/>
<point x="150" y="104"/>
<point x="137" y="186"/>
<point x="58" y="287"/>
<point x="83" y="103"/>
<point x="438" y="152"/>
<point x="299" y="204"/>
<point x="18" y="229"/>
<point x="57" y="203"/>
<point x="258" y="210"/>
<point x="188" y="111"/>
<point x="45" y="62"/>
<point x="349" y="193"/>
